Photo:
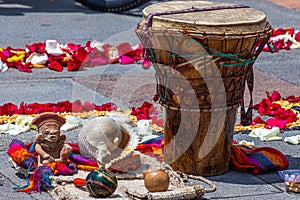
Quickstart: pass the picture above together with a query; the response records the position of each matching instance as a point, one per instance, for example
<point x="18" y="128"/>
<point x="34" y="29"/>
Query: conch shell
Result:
<point x="103" y="139"/>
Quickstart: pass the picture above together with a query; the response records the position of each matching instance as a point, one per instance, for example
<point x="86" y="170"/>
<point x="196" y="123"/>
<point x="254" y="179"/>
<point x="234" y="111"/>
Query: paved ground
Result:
<point x="288" y="3"/>
<point x="277" y="71"/>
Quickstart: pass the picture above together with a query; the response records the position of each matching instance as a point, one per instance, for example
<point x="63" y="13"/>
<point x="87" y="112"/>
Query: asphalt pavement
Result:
<point x="26" y="22"/>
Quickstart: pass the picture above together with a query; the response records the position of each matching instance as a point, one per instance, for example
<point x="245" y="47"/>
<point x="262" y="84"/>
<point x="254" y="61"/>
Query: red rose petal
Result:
<point x="87" y="106"/>
<point x="275" y="96"/>
<point x="278" y="31"/>
<point x="39" y="47"/>
<point x="8" y="109"/>
<point x="88" y="46"/>
<point x="77" y="106"/>
<point x="55" y="66"/>
<point x="73" y="47"/>
<point x="64" y="106"/>
<point x="288" y="45"/>
<point x="276" y="122"/>
<point x="290" y="30"/>
<point x="257" y="120"/>
<point x="81" y="55"/>
<point x="154" y="119"/>
<point x="106" y="107"/>
<point x="74" y="66"/>
<point x="124" y="48"/>
<point x="292" y="98"/>
<point x="273" y="106"/>
<point x="160" y="123"/>
<point x="142" y="112"/>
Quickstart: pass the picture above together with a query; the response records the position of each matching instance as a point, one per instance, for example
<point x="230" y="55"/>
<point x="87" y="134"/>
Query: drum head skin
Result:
<point x="220" y="20"/>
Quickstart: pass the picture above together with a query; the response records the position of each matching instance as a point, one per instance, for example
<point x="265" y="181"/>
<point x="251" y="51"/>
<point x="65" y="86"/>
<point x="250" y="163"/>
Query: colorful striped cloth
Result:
<point x="39" y="177"/>
<point x="257" y="160"/>
<point x="152" y="147"/>
<point x="243" y="158"/>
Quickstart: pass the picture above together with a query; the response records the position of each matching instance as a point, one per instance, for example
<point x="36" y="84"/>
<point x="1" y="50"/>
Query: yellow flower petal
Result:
<point x="18" y="53"/>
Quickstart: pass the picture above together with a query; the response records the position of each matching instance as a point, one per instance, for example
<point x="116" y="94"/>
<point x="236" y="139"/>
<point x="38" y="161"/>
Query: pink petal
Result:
<point x="266" y="48"/>
<point x="297" y="37"/>
<point x="124" y="60"/>
<point x="275" y="96"/>
<point x="6" y="53"/>
<point x="146" y="64"/>
<point x="276" y="122"/>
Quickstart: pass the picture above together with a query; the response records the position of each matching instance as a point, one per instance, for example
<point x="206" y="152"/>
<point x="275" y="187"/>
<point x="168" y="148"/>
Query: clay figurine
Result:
<point x="50" y="142"/>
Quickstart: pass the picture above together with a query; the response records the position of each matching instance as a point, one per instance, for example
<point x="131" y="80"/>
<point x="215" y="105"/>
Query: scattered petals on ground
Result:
<point x="74" y="57"/>
<point x="276" y="112"/>
<point x="284" y="38"/>
<point x="14" y="119"/>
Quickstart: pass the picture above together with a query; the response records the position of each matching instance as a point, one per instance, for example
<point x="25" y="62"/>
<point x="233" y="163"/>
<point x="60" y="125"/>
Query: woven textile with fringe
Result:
<point x="243" y="158"/>
<point x="39" y="177"/>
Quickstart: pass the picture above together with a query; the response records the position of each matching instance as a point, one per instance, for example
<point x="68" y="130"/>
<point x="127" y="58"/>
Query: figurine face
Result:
<point x="50" y="132"/>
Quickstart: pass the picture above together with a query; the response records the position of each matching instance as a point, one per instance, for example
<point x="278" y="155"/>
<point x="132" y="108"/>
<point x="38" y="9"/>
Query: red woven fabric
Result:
<point x="257" y="160"/>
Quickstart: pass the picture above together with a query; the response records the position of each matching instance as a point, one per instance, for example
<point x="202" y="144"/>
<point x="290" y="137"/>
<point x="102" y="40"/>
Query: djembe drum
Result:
<point x="203" y="53"/>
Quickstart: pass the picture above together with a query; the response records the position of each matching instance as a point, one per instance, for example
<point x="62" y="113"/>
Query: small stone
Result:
<point x="156" y="180"/>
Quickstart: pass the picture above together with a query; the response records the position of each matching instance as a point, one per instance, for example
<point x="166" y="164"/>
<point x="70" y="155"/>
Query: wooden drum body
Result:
<point x="203" y="54"/>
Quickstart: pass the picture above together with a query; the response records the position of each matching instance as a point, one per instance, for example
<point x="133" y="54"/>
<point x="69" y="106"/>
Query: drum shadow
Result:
<point x="243" y="178"/>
